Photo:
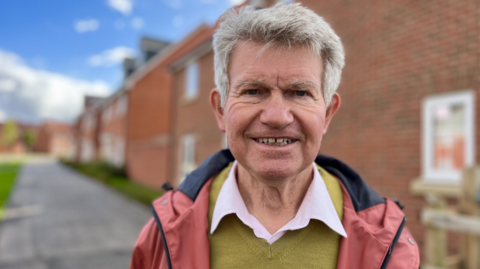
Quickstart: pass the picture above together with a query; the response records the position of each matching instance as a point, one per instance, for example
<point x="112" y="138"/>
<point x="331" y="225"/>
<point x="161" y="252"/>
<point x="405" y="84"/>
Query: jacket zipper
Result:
<point x="394" y="243"/>
<point x="162" y="235"/>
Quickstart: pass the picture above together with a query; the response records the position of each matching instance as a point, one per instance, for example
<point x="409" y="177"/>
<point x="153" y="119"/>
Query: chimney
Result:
<point x="150" y="47"/>
<point x="128" y="67"/>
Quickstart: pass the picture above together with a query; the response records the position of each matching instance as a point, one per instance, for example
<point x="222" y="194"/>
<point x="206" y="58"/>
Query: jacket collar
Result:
<point x="361" y="194"/>
<point x="371" y="232"/>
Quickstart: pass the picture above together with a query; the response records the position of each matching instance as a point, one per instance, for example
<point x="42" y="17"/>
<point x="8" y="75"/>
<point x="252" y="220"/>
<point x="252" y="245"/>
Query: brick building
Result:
<point x="112" y="130"/>
<point x="56" y="139"/>
<point x="87" y="130"/>
<point x="19" y="146"/>
<point x="409" y="113"/>
<point x="409" y="117"/>
<point x="149" y="120"/>
<point x="409" y="90"/>
<point x="195" y="132"/>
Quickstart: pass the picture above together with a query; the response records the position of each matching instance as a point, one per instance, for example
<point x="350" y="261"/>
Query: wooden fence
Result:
<point x="463" y="219"/>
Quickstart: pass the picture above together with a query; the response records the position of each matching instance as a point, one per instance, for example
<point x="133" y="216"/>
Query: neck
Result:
<point x="273" y="202"/>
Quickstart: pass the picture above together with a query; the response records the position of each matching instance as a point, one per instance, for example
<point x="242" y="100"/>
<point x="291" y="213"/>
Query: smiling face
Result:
<point x="275" y="115"/>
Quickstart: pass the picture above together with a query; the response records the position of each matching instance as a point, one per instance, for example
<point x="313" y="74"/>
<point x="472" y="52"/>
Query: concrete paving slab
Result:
<point x="82" y="224"/>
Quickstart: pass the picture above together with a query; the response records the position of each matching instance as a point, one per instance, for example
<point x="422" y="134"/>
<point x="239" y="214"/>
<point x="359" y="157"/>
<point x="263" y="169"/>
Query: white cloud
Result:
<point x="83" y="26"/>
<point x="236" y="2"/>
<point x="7" y="85"/>
<point x="177" y="21"/>
<point x="41" y="94"/>
<point x="123" y="6"/>
<point x="110" y="57"/>
<point x="137" y="23"/>
<point x="175" y="4"/>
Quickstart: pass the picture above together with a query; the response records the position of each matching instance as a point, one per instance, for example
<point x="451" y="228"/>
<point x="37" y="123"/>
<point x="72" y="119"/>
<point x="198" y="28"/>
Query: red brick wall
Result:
<point x="117" y="123"/>
<point x="91" y="134"/>
<point x="42" y="143"/>
<point x="148" y="164"/>
<point x="149" y="125"/>
<point x="196" y="116"/>
<point x="397" y="53"/>
<point x="148" y="118"/>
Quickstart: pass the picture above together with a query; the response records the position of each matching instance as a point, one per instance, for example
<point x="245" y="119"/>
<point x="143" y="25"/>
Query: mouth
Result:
<point x="281" y="142"/>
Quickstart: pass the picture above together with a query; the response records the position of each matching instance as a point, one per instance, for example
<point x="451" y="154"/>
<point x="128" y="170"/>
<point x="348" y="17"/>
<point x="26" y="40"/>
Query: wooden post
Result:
<point x="469" y="206"/>
<point x="435" y="237"/>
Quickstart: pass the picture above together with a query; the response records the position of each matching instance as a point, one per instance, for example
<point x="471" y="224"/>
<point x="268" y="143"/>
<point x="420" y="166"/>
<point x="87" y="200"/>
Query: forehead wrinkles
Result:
<point x="293" y="84"/>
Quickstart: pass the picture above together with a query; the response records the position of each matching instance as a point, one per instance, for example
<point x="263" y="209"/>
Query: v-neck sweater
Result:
<point x="234" y="244"/>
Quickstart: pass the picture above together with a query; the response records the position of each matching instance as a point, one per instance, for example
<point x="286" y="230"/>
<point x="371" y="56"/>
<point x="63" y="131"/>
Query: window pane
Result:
<point x="191" y="83"/>
<point x="449" y="137"/>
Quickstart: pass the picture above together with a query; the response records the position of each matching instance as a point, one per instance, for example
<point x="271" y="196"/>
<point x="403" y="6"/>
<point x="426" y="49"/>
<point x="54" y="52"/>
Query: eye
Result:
<point x="251" y="92"/>
<point x="301" y="93"/>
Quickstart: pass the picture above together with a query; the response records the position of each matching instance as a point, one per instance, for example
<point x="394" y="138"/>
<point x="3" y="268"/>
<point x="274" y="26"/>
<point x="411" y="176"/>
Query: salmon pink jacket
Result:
<point x="176" y="236"/>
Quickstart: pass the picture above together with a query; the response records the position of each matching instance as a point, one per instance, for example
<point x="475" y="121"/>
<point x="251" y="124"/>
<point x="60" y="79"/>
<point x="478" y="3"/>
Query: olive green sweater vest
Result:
<point x="234" y="245"/>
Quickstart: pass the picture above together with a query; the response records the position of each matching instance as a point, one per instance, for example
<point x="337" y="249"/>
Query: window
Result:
<point x="89" y="123"/>
<point x="106" y="146"/>
<point x="119" y="152"/>
<point x="187" y="155"/>
<point x="86" y="123"/>
<point x="448" y="136"/>
<point x="107" y="114"/>
<point x="86" y="151"/>
<point x="191" y="80"/>
<point x="121" y="108"/>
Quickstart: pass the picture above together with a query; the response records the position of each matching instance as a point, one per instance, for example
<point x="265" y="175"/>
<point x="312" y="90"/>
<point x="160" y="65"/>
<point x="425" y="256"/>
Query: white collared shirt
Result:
<point x="316" y="204"/>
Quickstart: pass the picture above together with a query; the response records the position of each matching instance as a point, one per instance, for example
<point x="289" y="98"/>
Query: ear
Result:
<point x="216" y="103"/>
<point x="331" y="110"/>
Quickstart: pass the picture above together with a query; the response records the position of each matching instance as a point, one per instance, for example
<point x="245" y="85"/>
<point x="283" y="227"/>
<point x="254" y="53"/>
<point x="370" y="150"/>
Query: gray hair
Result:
<point x="281" y="26"/>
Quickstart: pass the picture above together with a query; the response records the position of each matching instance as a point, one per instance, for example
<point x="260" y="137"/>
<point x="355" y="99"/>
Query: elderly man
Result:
<point x="271" y="201"/>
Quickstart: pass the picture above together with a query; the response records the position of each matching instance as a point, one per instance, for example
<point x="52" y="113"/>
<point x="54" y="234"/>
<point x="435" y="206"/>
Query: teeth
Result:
<point x="275" y="142"/>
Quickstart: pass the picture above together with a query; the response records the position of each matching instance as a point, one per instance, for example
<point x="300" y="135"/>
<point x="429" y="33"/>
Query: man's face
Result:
<point x="275" y="114"/>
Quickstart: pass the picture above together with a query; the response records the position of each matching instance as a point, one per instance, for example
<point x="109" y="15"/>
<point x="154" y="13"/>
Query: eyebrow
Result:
<point x="296" y="85"/>
<point x="255" y="83"/>
<point x="303" y="84"/>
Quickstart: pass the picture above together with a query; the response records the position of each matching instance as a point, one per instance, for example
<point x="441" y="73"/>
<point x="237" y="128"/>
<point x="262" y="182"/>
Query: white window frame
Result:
<point x="87" y="124"/>
<point x="121" y="106"/>
<point x="87" y="151"/>
<point x="192" y="80"/>
<point x="107" y="114"/>
<point x="429" y="174"/>
<point x="119" y="152"/>
<point x="187" y="155"/>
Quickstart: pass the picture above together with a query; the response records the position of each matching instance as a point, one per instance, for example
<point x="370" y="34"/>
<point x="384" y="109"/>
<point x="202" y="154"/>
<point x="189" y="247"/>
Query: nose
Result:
<point x="276" y="113"/>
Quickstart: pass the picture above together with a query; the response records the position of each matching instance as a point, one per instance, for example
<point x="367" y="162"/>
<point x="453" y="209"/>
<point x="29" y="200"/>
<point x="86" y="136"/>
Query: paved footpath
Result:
<point x="69" y="222"/>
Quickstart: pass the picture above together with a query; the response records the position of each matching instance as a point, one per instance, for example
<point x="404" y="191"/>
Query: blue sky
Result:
<point x="50" y="47"/>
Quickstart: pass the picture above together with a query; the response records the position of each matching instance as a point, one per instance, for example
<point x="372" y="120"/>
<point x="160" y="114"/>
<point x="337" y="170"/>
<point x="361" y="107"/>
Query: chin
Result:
<point x="276" y="171"/>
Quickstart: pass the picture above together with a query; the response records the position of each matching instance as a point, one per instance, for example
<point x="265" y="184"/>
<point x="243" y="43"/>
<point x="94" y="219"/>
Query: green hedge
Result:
<point x="117" y="179"/>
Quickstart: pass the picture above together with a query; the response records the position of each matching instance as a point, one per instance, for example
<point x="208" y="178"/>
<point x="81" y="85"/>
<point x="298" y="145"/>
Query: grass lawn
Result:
<point x="8" y="172"/>
<point x="117" y="179"/>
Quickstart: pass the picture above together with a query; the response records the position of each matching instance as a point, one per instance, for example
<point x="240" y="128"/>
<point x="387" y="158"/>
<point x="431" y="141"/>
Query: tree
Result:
<point x="9" y="133"/>
<point x="29" y="137"/>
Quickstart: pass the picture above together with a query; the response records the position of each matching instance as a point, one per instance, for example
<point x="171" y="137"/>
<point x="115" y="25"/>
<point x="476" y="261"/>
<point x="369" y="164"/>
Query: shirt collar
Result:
<point x="316" y="204"/>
